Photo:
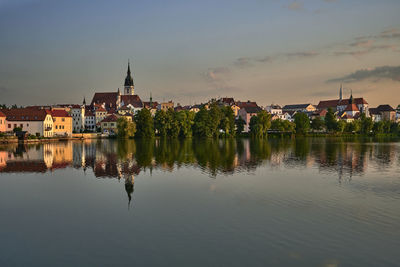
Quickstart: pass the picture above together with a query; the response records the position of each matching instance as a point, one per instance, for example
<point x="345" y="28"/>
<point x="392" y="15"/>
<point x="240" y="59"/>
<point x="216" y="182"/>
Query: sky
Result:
<point x="281" y="52"/>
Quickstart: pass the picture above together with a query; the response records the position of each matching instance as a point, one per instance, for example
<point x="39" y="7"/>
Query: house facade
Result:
<point x="35" y="121"/>
<point x="246" y="113"/>
<point x="62" y="122"/>
<point x="3" y="117"/>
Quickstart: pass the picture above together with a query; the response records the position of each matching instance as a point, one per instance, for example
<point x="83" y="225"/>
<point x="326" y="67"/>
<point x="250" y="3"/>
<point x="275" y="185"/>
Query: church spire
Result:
<point x="351" y="97"/>
<point x="128" y="79"/>
<point x="341" y="92"/>
<point x="128" y="85"/>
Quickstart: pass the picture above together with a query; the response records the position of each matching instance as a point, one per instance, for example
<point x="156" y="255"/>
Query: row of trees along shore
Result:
<point x="220" y="122"/>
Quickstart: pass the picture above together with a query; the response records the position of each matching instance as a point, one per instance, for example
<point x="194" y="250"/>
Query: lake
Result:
<point x="275" y="202"/>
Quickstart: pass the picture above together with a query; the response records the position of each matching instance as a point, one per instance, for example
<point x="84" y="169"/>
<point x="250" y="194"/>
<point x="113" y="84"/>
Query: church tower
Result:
<point x="341" y="93"/>
<point x="128" y="85"/>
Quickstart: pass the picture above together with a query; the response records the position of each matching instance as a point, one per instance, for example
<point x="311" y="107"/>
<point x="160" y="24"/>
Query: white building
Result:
<point x="78" y="118"/>
<point x="90" y="121"/>
<point x="35" y="121"/>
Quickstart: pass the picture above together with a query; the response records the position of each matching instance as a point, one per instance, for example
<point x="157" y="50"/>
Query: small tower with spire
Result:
<point x="351" y="101"/>
<point x="128" y="85"/>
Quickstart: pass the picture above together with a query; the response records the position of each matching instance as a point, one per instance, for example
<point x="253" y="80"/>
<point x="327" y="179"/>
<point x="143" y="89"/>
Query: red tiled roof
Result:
<point x="109" y="99"/>
<point x="153" y="104"/>
<point x="337" y="102"/>
<point x="88" y="113"/>
<point x="111" y="118"/>
<point x="59" y="113"/>
<point x="352" y="107"/>
<point x="25" y="114"/>
<point x="2" y="114"/>
<point x="134" y="100"/>
<point x="246" y="104"/>
<point x="100" y="109"/>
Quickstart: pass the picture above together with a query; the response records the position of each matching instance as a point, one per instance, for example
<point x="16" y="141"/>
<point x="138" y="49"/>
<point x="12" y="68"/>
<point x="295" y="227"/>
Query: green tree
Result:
<point x="227" y="123"/>
<point x="144" y="124"/>
<point x="160" y="123"/>
<point x="185" y="119"/>
<point x="302" y="123"/>
<point x="330" y="120"/>
<point x="201" y="126"/>
<point x="173" y="126"/>
<point x="239" y="122"/>
<point x="215" y="115"/>
<point x="317" y="124"/>
<point x="378" y="127"/>
<point x="126" y="129"/>
<point x="340" y="126"/>
<point x="366" y="124"/>
<point x="260" y="124"/>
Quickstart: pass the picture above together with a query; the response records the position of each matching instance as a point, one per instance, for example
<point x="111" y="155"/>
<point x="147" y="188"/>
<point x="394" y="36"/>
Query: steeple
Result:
<point x="128" y="85"/>
<point x="151" y="101"/>
<point x="84" y="101"/>
<point x="341" y="92"/>
<point x="351" y="98"/>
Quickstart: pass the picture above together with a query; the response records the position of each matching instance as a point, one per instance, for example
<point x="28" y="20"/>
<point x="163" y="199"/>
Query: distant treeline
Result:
<point x="220" y="121"/>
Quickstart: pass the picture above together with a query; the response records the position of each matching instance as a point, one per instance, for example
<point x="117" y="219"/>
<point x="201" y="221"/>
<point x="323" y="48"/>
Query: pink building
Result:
<point x="2" y="122"/>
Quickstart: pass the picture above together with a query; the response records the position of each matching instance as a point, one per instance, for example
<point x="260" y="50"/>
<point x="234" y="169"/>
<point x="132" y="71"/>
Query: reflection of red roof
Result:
<point x="25" y="166"/>
<point x="61" y="165"/>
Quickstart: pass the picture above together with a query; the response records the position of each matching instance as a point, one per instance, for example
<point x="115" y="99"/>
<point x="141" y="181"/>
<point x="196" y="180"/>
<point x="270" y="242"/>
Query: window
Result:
<point x="62" y="119"/>
<point x="21" y="125"/>
<point x="27" y="125"/>
<point x="56" y="127"/>
<point x="9" y="125"/>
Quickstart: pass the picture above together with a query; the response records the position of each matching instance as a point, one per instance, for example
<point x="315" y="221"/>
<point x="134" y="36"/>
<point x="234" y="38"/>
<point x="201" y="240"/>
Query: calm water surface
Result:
<point x="281" y="202"/>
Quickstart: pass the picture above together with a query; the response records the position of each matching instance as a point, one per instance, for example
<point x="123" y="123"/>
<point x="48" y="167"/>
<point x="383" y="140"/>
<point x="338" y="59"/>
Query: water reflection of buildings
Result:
<point x="125" y="160"/>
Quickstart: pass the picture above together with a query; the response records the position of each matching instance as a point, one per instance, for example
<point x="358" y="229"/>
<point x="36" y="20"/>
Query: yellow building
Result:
<point x="166" y="105"/>
<point x="109" y="124"/>
<point x="62" y="122"/>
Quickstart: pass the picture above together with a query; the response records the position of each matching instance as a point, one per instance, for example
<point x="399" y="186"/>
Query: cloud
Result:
<point x="243" y="61"/>
<point x="216" y="74"/>
<point x="362" y="43"/>
<point x="303" y="54"/>
<point x="378" y="73"/>
<point x="390" y="34"/>
<point x="295" y="6"/>
<point x="368" y="49"/>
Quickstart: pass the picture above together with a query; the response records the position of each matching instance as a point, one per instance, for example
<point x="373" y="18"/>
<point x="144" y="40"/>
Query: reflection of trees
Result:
<point x="125" y="158"/>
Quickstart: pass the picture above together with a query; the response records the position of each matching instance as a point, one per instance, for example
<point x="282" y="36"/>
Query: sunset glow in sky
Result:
<point x="282" y="52"/>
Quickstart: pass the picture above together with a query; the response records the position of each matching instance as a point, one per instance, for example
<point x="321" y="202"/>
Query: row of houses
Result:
<point x="37" y="121"/>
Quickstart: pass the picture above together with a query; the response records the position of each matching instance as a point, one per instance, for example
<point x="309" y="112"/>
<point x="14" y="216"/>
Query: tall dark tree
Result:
<point x="239" y="122"/>
<point x="302" y="123"/>
<point x="317" y="124"/>
<point x="144" y="124"/>
<point x="330" y="120"/>
<point x="160" y="123"/>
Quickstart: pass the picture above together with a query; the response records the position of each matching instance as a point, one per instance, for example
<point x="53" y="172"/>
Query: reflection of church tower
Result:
<point x="128" y="85"/>
<point x="129" y="187"/>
